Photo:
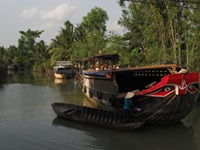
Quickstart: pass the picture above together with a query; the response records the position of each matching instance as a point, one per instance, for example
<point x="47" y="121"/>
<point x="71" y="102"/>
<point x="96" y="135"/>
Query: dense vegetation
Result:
<point x="157" y="32"/>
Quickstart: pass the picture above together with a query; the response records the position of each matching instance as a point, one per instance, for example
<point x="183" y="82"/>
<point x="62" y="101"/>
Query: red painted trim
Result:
<point x="180" y="81"/>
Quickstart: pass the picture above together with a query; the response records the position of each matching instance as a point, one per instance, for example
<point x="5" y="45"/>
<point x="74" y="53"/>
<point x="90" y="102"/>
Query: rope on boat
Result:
<point x="175" y="108"/>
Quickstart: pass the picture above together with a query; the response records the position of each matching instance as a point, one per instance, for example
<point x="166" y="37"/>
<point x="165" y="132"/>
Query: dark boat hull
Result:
<point x="167" y="110"/>
<point x="99" y="117"/>
<point x="157" y="110"/>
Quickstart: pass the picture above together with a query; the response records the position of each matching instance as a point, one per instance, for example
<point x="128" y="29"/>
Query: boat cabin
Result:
<point x="140" y="78"/>
<point x="63" y="69"/>
<point x="102" y="78"/>
<point x="99" y="62"/>
<point x="103" y="62"/>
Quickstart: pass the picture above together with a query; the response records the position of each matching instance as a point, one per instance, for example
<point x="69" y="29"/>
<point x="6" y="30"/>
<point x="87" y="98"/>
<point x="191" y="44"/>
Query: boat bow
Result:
<point x="180" y="83"/>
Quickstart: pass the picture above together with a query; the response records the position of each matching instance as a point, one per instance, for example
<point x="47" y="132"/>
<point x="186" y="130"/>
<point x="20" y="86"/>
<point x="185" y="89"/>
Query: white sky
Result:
<point x="49" y="15"/>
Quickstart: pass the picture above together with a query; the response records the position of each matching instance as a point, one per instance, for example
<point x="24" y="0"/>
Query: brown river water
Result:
<point x="27" y="121"/>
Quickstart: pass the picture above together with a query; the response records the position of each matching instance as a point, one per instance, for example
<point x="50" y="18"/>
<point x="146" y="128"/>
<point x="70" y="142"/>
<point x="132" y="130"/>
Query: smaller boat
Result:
<point x="99" y="117"/>
<point x="63" y="69"/>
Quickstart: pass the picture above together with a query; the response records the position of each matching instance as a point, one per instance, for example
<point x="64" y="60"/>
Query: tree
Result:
<point x="193" y="36"/>
<point x="162" y="29"/>
<point x="95" y="20"/>
<point x="61" y="46"/>
<point x="92" y="37"/>
<point x="42" y="57"/>
<point x="10" y="55"/>
<point x="2" y="64"/>
<point x="26" y="48"/>
<point x="2" y="53"/>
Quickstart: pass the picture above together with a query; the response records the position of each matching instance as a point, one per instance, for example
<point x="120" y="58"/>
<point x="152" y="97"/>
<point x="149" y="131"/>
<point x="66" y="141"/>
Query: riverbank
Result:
<point x="3" y="75"/>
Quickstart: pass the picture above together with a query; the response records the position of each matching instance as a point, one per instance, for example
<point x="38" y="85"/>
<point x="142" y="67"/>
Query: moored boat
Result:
<point x="165" y="93"/>
<point x="63" y="69"/>
<point x="99" y="117"/>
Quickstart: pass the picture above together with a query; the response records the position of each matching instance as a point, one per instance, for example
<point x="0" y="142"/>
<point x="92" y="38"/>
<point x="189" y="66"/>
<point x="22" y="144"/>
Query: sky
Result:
<point x="49" y="15"/>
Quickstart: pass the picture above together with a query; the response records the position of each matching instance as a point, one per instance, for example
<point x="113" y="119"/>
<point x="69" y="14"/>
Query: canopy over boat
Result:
<point x="64" y="63"/>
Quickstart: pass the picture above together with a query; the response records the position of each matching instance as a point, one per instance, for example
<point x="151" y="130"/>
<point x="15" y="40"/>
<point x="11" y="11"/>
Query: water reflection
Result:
<point x="92" y="103"/>
<point x="69" y="91"/>
<point x="173" y="137"/>
<point x="193" y="119"/>
<point x="180" y="136"/>
<point x="28" y="121"/>
<point x="38" y="79"/>
<point x="59" y="81"/>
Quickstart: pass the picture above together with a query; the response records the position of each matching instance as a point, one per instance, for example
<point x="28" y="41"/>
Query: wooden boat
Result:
<point x="63" y="69"/>
<point x="165" y="93"/>
<point x="99" y="117"/>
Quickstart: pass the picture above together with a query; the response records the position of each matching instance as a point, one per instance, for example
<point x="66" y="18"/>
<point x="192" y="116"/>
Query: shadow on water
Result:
<point x="69" y="90"/>
<point x="170" y="137"/>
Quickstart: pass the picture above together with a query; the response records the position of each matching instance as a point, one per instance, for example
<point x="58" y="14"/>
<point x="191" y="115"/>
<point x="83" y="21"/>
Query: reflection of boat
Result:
<point x="198" y="99"/>
<point x="109" y="119"/>
<point x="169" y="137"/>
<point x="166" y="93"/>
<point x="58" y="81"/>
<point x="63" y="69"/>
<point x="88" y="102"/>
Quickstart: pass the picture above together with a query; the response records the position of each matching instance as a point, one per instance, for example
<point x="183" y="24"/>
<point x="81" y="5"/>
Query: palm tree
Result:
<point x="61" y="46"/>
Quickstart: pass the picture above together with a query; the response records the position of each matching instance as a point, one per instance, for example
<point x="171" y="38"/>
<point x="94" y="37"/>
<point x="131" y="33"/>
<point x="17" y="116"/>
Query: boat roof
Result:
<point x="67" y="63"/>
<point x="166" y="66"/>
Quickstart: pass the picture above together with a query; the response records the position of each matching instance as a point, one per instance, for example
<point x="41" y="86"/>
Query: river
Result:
<point x="27" y="121"/>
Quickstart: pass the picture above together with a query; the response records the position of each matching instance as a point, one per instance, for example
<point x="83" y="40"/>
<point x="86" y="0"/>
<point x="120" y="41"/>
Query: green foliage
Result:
<point x="90" y="34"/>
<point x="2" y="53"/>
<point x="95" y="42"/>
<point x="156" y="32"/>
<point x="61" y="47"/>
<point x="95" y="20"/>
<point x="165" y="31"/>
<point x="41" y="56"/>
<point x="26" y="49"/>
